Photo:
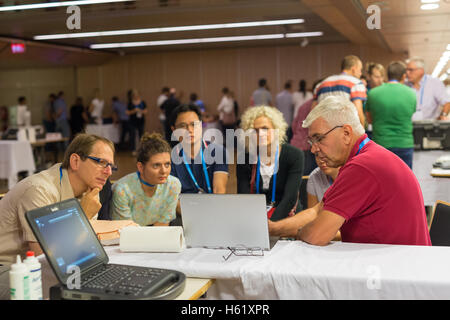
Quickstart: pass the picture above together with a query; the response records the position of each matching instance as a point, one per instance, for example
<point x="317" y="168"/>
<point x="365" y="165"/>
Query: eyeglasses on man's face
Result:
<point x="317" y="138"/>
<point x="103" y="163"/>
<point x="186" y="126"/>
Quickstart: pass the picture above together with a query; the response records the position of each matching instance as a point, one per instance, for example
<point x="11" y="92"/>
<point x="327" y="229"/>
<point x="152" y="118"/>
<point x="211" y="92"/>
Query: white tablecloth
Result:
<point x="108" y="131"/>
<point x="15" y="156"/>
<point x="433" y="188"/>
<point x="296" y="270"/>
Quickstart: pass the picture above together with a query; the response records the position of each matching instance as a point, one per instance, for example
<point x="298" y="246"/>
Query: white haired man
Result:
<point x="375" y="198"/>
<point x="431" y="93"/>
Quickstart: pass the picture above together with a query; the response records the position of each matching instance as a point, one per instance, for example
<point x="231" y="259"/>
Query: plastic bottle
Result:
<point x="34" y="267"/>
<point x="19" y="281"/>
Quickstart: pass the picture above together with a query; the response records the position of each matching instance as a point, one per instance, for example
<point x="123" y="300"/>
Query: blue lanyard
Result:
<point x="362" y="144"/>
<point x="205" y="171"/>
<point x="60" y="183"/>
<point x="422" y="89"/>
<point x="275" y="170"/>
<point x="142" y="181"/>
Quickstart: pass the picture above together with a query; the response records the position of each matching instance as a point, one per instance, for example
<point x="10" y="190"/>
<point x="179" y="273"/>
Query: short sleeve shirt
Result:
<point x="318" y="183"/>
<point x="379" y="197"/>
<point x="38" y="190"/>
<point x="129" y="201"/>
<point x="430" y="96"/>
<point x="343" y="85"/>
<point x="215" y="156"/>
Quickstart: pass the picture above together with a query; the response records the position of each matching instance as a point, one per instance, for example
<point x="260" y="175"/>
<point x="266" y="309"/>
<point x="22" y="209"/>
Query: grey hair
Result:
<point x="420" y="63"/>
<point x="336" y="111"/>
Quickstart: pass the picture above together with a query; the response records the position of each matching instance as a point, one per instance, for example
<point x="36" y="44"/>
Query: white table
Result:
<point x="433" y="188"/>
<point x="15" y="156"/>
<point x="296" y="270"/>
<point x="108" y="131"/>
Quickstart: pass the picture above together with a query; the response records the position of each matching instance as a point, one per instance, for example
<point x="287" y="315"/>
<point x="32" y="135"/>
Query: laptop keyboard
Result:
<point x="121" y="280"/>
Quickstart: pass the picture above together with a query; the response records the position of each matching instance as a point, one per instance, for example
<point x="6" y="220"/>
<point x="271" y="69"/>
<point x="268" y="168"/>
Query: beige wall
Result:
<point x="205" y="72"/>
<point x="36" y="85"/>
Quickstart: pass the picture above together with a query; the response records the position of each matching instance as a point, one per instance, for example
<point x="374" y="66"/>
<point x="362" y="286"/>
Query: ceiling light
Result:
<point x="429" y="1"/>
<point x="202" y="40"/>
<point x="429" y="6"/>
<point x="304" y="34"/>
<point x="441" y="64"/>
<point x="169" y="29"/>
<point x="56" y="4"/>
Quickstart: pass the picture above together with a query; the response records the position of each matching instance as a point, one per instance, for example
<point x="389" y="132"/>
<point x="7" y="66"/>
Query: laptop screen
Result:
<point x="67" y="238"/>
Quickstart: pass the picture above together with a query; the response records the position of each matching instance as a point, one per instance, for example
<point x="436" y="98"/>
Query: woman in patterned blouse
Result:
<point x="148" y="196"/>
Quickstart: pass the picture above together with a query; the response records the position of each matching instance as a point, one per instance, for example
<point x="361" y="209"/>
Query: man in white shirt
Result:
<point x="430" y="92"/>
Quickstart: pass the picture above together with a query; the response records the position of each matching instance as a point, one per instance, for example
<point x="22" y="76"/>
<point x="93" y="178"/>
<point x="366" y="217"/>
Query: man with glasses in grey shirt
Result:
<point x="431" y="93"/>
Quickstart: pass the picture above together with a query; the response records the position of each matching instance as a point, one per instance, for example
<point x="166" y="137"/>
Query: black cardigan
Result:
<point x="289" y="178"/>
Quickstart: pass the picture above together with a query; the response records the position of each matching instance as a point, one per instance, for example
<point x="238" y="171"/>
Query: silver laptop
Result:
<point x="225" y="220"/>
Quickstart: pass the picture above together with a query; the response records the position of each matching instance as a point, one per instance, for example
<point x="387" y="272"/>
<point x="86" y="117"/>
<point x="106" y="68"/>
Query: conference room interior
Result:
<point x="305" y="40"/>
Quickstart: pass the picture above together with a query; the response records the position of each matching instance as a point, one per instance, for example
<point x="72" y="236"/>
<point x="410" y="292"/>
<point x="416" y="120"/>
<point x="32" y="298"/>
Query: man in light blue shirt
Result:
<point x="285" y="103"/>
<point x="262" y="96"/>
<point x="121" y="115"/>
<point x="431" y="93"/>
<point x="62" y="125"/>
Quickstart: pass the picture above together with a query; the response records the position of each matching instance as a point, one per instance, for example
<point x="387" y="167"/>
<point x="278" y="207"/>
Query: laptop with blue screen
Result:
<point x="72" y="249"/>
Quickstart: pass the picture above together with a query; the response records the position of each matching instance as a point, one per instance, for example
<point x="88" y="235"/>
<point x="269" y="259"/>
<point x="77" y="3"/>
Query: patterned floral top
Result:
<point x="129" y="202"/>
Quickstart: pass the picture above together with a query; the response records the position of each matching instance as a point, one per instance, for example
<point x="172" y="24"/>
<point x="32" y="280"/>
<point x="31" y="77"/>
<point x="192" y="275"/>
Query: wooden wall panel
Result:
<point x="36" y="85"/>
<point x="254" y="64"/>
<point x="297" y="63"/>
<point x="146" y="74"/>
<point x="205" y="72"/>
<point x="88" y="79"/>
<point x="219" y="69"/>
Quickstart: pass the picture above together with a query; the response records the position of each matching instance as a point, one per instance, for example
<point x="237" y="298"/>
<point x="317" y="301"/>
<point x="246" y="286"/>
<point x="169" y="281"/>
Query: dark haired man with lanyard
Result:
<point x="375" y="198"/>
<point x="198" y="170"/>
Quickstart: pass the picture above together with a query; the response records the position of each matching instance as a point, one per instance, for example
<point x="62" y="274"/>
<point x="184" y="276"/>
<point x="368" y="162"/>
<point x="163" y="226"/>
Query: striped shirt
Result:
<point x="341" y="85"/>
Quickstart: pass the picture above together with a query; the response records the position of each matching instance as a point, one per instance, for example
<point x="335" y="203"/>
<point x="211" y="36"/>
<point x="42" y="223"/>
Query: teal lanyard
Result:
<point x="142" y="181"/>
<point x="362" y="144"/>
<point x="422" y="89"/>
<point x="60" y="183"/>
<point x="275" y="170"/>
<point x="205" y="172"/>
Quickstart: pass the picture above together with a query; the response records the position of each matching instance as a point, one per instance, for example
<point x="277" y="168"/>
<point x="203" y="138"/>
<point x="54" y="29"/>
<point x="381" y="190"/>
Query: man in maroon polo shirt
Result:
<point x="375" y="199"/>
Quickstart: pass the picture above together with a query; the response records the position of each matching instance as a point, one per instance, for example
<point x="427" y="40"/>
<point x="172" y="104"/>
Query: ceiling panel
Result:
<point x="405" y="28"/>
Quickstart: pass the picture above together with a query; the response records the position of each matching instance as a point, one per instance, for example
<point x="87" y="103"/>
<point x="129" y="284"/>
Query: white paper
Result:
<point x="152" y="239"/>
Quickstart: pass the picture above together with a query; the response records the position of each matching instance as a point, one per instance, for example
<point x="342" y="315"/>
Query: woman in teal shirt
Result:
<point x="148" y="196"/>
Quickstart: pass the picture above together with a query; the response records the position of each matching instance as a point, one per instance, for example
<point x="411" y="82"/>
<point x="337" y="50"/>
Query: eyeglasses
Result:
<point x="243" y="251"/>
<point x="187" y="125"/>
<point x="103" y="163"/>
<point x="319" y="137"/>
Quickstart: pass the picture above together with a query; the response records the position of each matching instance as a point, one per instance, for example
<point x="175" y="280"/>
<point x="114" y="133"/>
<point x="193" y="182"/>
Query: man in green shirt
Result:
<point x="389" y="109"/>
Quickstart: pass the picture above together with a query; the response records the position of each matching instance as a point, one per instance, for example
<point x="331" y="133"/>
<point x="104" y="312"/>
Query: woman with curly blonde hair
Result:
<point x="276" y="168"/>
